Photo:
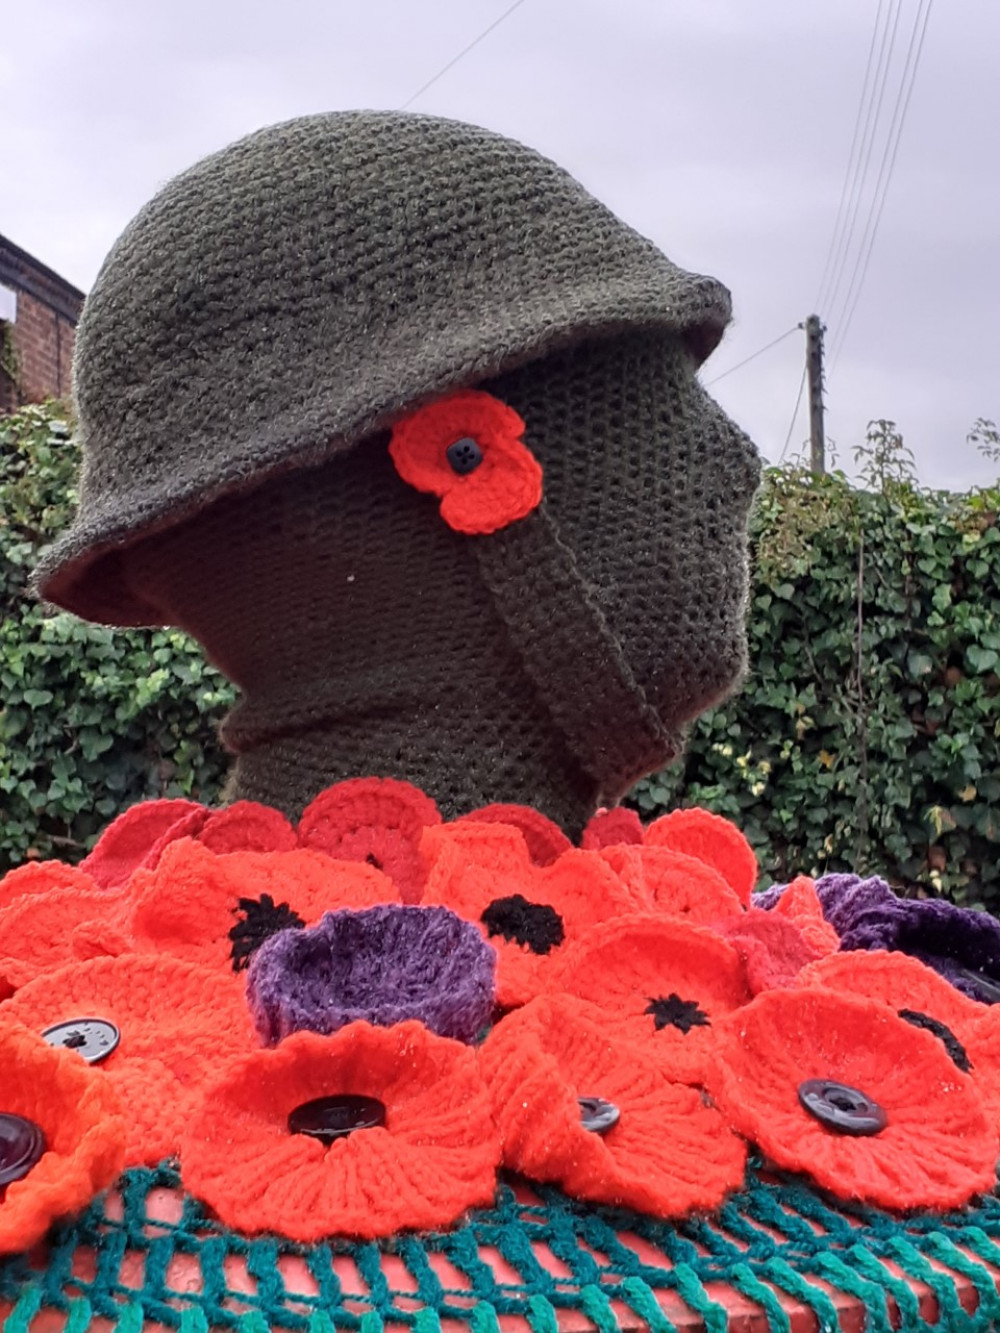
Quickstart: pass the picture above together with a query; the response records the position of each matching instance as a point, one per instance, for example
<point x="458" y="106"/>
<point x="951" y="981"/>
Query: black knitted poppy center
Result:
<point x="258" y="919"/>
<point x="536" y="925"/>
<point x="672" y="1011"/>
<point x="944" y="1033"/>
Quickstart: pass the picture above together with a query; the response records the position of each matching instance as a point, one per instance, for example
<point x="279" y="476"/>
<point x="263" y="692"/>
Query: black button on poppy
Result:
<point x="22" y="1143"/>
<point x="329" y="1118"/>
<point x="597" y="1115"/>
<point x="92" y="1038"/>
<point x="536" y="925"/>
<point x="464" y="456"/>
<point x="841" y="1108"/>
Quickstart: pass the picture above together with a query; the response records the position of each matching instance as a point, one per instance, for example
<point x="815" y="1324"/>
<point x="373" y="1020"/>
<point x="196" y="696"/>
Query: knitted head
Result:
<point x="252" y="338"/>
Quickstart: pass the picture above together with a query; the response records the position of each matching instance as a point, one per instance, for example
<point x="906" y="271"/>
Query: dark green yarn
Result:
<point x="847" y="1247"/>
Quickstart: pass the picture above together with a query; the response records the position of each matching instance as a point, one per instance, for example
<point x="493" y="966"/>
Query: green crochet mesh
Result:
<point x="773" y="1237"/>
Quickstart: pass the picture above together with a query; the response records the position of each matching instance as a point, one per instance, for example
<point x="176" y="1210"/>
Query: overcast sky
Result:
<point x="720" y="128"/>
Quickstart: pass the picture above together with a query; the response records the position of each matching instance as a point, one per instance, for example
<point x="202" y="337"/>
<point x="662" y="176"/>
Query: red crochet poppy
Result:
<point x="800" y="903"/>
<point x="661" y="982"/>
<point x="84" y="1134"/>
<point x="544" y="838"/>
<point x="376" y="820"/>
<point x="127" y="841"/>
<point x="711" y="839"/>
<point x="678" y="885"/>
<point x="491" y="481"/>
<point x="529" y="913"/>
<point x="937" y="1148"/>
<point x="609" y="828"/>
<point x="667" y="1154"/>
<point x="773" y="948"/>
<point x="218" y="910"/>
<point x="41" y="931"/>
<point x="43" y="877"/>
<point x="178" y="1024"/>
<point x="434" y="1156"/>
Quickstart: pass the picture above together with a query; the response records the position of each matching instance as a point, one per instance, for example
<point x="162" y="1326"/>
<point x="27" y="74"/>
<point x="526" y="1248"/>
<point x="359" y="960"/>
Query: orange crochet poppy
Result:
<point x="376" y="820"/>
<point x="427" y="1149"/>
<point x="467" y="449"/>
<point x="678" y="885"/>
<point x="609" y="828"/>
<point x="800" y="903"/>
<point x="665" y="1152"/>
<point x="43" y="877"/>
<point x="75" y="1133"/>
<point x="529" y="913"/>
<point x="912" y="1130"/>
<point x="711" y="839"/>
<point x="545" y="839"/>
<point x="178" y="1024"/>
<point x="127" y="841"/>
<point x="43" y="930"/>
<point x="218" y="910"/>
<point x="661" y="982"/>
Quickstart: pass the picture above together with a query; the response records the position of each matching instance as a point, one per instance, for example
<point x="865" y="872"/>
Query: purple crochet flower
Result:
<point x="381" y="965"/>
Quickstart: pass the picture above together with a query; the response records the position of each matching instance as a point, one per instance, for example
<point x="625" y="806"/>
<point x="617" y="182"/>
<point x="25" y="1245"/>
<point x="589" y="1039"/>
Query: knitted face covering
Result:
<point x="552" y="663"/>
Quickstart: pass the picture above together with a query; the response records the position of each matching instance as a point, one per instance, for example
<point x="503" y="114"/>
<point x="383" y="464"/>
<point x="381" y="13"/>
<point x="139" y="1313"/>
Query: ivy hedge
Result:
<point x="867" y="735"/>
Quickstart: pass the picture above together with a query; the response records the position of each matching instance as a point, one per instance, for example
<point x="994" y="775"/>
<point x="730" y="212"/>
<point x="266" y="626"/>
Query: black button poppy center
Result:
<point x="672" y="1011"/>
<point x="537" y="926"/>
<point x="22" y="1144"/>
<point x="943" y="1033"/>
<point x="464" y="456"/>
<point x="92" y="1038"/>
<point x="841" y="1108"/>
<point x="329" y="1118"/>
<point x="259" y="919"/>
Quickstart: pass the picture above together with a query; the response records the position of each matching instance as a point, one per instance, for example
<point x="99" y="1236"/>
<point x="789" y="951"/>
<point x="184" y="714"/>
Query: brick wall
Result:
<point x="43" y="330"/>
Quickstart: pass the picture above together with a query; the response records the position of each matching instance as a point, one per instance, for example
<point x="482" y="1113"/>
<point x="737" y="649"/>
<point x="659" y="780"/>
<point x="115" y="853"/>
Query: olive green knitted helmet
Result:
<point x="299" y="290"/>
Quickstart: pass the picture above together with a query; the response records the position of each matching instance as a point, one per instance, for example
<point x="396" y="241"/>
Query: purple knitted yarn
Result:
<point x="381" y="965"/>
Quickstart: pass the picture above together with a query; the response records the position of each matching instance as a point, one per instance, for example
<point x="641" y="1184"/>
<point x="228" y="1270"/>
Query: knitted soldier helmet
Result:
<point x="287" y="300"/>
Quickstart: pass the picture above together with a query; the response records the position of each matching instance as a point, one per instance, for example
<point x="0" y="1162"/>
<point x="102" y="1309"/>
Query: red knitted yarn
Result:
<point x="77" y="1111"/>
<point x="43" y="877"/>
<point x="608" y="828"/>
<point x="668" y="1154"/>
<point x="938" y="1148"/>
<point x="981" y="1040"/>
<point x="179" y="1024"/>
<point x="248" y="827"/>
<point x="529" y="913"/>
<point x="376" y="820"/>
<point x="663" y="983"/>
<point x="215" y="910"/>
<point x="800" y="903"/>
<point x="44" y="930"/>
<point x="544" y="838"/>
<point x="435" y="1157"/>
<point x="678" y="885"/>
<point x="507" y="484"/>
<point x="897" y="980"/>
<point x="127" y="841"/>
<point x="711" y="839"/>
<point x="773" y="948"/>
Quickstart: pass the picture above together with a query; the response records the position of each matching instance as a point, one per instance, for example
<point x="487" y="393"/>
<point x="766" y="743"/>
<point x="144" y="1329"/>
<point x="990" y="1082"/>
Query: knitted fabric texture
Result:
<point x="125" y="843"/>
<point x="84" y="1134"/>
<point x="448" y="253"/>
<point x="772" y="948"/>
<point x="382" y="965"/>
<point x="434" y="1157"/>
<point x="178" y="1023"/>
<point x="43" y="930"/>
<point x="711" y="839"/>
<point x="668" y="1154"/>
<point x="678" y="885"/>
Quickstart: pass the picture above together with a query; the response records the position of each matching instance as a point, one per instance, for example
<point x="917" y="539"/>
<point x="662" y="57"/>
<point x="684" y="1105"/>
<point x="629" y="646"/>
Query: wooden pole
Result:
<point x="814" y="370"/>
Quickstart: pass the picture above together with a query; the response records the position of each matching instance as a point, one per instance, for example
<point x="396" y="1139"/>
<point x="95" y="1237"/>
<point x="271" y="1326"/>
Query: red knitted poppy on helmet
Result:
<point x="218" y="910"/>
<point x="78" y="1114"/>
<point x="544" y="838"/>
<point x="178" y="1024"/>
<point x="611" y="828"/>
<point x="676" y="884"/>
<point x="800" y="903"/>
<point x="435" y="1155"/>
<point x="478" y="494"/>
<point x="529" y="913"/>
<point x="937" y="1148"/>
<point x="660" y="982"/>
<point x="128" y="840"/>
<point x="41" y="931"/>
<point x="42" y="877"/>
<point x="668" y="1153"/>
<point x="711" y="839"/>
<point x="773" y="948"/>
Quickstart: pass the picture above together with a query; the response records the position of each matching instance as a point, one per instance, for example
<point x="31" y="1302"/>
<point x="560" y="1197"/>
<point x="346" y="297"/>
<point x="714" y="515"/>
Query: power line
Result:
<point x="886" y="168"/>
<point x="464" y="52"/>
<point x="753" y="356"/>
<point x="795" y="414"/>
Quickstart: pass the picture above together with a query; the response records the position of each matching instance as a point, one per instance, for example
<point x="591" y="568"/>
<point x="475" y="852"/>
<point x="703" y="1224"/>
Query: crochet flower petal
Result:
<point x="84" y="1134"/>
<point x="528" y="913"/>
<point x="218" y="910"/>
<point x="773" y="948"/>
<point x="41" y="931"/>
<point x="660" y="982"/>
<point x="504" y="485"/>
<point x="937" y="1148"/>
<point x="608" y="828"/>
<point x="800" y="903"/>
<point x="544" y="838"/>
<point x="434" y="1157"/>
<point x="127" y="841"/>
<point x="382" y="965"/>
<point x="43" y="877"/>
<point x="178" y="1025"/>
<point x="376" y="820"/>
<point x="678" y="885"/>
<point x="711" y="839"/>
<point x="668" y="1153"/>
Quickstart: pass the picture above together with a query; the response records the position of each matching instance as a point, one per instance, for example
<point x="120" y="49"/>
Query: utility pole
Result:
<point x="814" y="370"/>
